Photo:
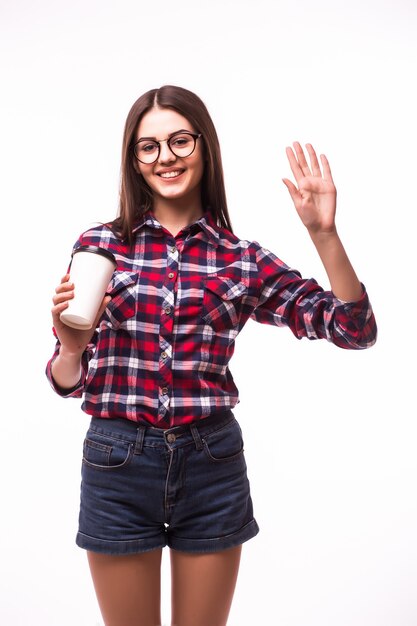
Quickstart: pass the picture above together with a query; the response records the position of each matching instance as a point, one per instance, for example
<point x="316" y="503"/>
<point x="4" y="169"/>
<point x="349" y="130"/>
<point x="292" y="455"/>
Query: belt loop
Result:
<point x="139" y="439"/>
<point x="196" y="437"/>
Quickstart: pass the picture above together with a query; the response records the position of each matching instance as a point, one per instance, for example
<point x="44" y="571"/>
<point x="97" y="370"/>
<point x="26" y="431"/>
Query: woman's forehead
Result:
<point x="160" y="123"/>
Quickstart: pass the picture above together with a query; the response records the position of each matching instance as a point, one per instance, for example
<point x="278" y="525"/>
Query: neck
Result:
<point x="175" y="216"/>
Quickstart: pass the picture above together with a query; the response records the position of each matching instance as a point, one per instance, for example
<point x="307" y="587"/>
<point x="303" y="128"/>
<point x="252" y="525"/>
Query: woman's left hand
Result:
<point x="315" y="196"/>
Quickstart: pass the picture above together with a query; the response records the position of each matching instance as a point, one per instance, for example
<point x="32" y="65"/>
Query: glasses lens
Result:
<point x="146" y="151"/>
<point x="182" y="144"/>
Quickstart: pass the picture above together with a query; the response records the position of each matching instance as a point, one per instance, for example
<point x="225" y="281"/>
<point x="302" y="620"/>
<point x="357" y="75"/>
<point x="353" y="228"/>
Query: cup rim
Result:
<point x="96" y="250"/>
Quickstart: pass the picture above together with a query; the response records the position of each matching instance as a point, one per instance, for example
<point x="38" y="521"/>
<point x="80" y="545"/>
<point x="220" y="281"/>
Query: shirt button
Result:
<point x="164" y="390"/>
<point x="171" y="275"/>
<point x="167" y="310"/>
<point x="164" y="355"/>
<point x="171" y="437"/>
<point x="173" y="249"/>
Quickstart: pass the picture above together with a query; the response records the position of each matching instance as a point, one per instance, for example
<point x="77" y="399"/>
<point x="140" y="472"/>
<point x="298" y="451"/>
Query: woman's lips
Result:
<point x="170" y="175"/>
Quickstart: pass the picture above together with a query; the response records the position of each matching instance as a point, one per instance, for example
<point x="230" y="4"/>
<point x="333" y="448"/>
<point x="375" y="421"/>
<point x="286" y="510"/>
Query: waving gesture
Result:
<point x="315" y="196"/>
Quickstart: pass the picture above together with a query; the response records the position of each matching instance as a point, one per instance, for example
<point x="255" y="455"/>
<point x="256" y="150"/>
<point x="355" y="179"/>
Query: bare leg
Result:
<point x="128" y="588"/>
<point x="203" y="586"/>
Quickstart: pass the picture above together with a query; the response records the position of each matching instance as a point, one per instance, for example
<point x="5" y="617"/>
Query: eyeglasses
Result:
<point x="182" y="144"/>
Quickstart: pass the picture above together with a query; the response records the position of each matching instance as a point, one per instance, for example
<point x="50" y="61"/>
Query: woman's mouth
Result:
<point x="171" y="174"/>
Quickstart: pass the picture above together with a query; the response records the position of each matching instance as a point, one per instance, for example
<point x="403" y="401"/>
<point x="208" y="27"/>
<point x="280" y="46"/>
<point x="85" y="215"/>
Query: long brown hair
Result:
<point x="135" y="195"/>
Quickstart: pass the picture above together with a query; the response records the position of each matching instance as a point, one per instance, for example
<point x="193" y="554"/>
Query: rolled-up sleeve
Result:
<point x="77" y="390"/>
<point x="287" y="299"/>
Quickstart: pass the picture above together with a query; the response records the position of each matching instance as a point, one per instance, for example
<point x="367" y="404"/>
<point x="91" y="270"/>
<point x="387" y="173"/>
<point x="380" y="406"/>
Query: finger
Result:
<point x="63" y="296"/>
<point x="59" y="307"/>
<point x="293" y="191"/>
<point x="315" y="166"/>
<point x="64" y="286"/>
<point x="294" y="165"/>
<point x="326" y="168"/>
<point x="302" y="159"/>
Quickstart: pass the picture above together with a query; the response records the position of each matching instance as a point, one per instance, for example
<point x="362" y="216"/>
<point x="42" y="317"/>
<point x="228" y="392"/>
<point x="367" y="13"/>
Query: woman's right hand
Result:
<point x="73" y="341"/>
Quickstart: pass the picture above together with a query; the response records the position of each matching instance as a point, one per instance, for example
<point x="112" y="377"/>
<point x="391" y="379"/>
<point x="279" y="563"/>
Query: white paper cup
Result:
<point x="91" y="270"/>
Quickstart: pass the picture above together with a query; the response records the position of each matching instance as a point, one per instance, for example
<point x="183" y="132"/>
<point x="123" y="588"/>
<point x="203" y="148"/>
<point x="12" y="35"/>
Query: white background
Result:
<point x="330" y="435"/>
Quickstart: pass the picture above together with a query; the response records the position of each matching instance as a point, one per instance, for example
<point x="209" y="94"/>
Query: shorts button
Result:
<point x="171" y="437"/>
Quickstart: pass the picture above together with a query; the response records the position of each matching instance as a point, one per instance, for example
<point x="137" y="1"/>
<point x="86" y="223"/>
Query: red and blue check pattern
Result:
<point x="163" y="346"/>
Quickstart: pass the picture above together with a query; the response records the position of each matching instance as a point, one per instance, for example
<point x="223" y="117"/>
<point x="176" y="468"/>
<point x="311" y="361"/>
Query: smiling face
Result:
<point x="174" y="180"/>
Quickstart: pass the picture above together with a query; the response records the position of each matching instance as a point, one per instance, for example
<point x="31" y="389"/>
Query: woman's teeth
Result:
<point x="170" y="174"/>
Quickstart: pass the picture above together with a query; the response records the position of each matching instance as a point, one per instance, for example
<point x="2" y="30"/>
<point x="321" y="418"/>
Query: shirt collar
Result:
<point x="147" y="219"/>
<point x="205" y="223"/>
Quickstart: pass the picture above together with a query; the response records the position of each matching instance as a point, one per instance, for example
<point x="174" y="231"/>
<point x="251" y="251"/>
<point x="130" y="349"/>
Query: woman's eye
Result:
<point x="181" y="141"/>
<point x="148" y="147"/>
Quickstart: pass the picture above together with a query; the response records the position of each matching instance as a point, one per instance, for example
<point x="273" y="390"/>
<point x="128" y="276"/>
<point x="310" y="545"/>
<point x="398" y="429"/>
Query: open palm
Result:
<point x="315" y="196"/>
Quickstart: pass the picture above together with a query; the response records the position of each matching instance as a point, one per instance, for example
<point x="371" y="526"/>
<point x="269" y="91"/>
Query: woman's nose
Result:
<point x="165" y="154"/>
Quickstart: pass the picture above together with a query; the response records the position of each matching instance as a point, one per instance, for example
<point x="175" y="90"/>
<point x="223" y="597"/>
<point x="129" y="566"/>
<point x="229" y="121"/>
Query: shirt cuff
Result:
<point x="62" y="391"/>
<point x="73" y="392"/>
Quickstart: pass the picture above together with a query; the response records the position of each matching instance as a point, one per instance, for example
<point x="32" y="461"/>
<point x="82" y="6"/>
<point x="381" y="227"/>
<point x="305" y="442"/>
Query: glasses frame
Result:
<point x="195" y="136"/>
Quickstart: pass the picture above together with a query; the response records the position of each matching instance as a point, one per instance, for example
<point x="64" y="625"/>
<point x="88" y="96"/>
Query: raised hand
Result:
<point x="315" y="196"/>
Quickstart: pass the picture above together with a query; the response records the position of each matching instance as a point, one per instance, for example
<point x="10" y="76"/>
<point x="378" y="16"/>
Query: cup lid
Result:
<point x="96" y="250"/>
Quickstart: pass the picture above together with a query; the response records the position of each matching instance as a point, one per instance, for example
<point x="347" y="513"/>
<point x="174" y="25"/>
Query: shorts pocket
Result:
<point x="122" y="290"/>
<point x="112" y="455"/>
<point x="222" y="304"/>
<point x="224" y="445"/>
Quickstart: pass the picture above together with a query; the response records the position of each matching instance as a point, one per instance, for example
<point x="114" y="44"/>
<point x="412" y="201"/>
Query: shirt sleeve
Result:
<point x="77" y="391"/>
<point x="286" y="299"/>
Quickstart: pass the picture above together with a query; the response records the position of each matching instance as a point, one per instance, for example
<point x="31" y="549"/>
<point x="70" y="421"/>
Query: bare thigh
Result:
<point x="128" y="588"/>
<point x="203" y="586"/>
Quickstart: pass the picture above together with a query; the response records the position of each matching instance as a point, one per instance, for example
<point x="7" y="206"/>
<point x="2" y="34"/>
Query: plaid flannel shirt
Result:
<point x="162" y="349"/>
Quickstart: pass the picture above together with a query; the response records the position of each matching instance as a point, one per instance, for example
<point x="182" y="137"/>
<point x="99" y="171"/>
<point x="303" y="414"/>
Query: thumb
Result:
<point x="103" y="305"/>
<point x="292" y="189"/>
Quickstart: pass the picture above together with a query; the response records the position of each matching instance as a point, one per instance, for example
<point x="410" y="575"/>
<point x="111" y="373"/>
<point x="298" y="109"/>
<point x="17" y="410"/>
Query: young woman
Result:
<point x="163" y="459"/>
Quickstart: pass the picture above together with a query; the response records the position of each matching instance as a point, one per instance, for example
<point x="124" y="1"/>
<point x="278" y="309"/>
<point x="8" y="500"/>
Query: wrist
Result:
<point x="324" y="237"/>
<point x="70" y="356"/>
<point x="324" y="233"/>
<point x="66" y="369"/>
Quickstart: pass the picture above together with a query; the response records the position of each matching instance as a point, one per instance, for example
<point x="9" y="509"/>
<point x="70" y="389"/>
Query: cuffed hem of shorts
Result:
<point x="133" y="546"/>
<point x="216" y="543"/>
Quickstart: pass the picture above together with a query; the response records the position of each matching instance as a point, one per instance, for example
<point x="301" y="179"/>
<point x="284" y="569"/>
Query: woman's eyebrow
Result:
<point x="182" y="130"/>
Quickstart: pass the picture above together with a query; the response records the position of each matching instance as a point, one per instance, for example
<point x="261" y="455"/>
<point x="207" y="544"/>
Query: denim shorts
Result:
<point x="144" y="488"/>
